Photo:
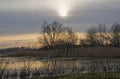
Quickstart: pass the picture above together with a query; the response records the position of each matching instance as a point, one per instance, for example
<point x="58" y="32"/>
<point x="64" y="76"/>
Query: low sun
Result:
<point x="63" y="13"/>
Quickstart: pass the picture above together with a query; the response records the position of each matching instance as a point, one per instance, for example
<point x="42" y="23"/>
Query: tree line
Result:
<point x="56" y="35"/>
<point x="102" y="36"/>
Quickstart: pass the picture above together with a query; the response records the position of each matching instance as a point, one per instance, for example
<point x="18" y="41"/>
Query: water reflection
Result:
<point x="21" y="67"/>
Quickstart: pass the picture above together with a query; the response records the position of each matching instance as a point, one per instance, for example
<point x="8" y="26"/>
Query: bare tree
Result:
<point x="115" y="34"/>
<point x="101" y="34"/>
<point x="92" y="36"/>
<point x="55" y="34"/>
<point x="71" y="36"/>
<point x="96" y="36"/>
<point x="50" y="33"/>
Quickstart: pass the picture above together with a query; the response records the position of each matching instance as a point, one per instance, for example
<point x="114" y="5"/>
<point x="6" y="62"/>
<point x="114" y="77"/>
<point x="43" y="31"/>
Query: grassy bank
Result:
<point x="87" y="76"/>
<point x="63" y="52"/>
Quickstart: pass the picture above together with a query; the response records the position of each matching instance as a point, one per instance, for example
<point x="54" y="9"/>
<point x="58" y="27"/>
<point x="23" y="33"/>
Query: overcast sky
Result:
<point x="26" y="16"/>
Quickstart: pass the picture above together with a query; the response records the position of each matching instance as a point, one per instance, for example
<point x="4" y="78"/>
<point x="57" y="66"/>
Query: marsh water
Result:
<point x="19" y="67"/>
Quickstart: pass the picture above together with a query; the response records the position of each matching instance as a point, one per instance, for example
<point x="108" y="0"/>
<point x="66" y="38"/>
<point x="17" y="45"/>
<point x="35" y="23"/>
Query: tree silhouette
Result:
<point x="114" y="35"/>
<point x="102" y="30"/>
<point x="55" y="34"/>
<point x="92" y="36"/>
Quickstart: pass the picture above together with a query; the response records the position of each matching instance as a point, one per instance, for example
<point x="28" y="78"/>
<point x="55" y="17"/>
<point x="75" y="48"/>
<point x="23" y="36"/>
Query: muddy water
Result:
<point x="14" y="67"/>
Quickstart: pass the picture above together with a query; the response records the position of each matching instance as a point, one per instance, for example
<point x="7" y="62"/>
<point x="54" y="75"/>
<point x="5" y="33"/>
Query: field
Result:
<point x="87" y="76"/>
<point x="64" y="52"/>
<point x="62" y="63"/>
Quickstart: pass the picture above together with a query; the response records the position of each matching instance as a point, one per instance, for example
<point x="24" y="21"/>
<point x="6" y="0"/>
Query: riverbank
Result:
<point x="86" y="76"/>
<point x="112" y="52"/>
<point x="29" y="67"/>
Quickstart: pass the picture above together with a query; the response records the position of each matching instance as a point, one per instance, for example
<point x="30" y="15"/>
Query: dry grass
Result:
<point x="70" y="52"/>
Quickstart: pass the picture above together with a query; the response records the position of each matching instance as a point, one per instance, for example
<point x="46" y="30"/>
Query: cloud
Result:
<point x="26" y="16"/>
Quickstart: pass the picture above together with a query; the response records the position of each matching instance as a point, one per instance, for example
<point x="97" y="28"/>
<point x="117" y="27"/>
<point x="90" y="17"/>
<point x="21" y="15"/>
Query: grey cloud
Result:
<point x="25" y="16"/>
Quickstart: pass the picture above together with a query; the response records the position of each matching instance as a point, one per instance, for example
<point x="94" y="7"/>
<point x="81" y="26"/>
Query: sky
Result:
<point x="26" y="16"/>
<point x="25" y="40"/>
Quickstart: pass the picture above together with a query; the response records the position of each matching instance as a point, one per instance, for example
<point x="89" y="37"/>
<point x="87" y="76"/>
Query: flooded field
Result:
<point x="27" y="67"/>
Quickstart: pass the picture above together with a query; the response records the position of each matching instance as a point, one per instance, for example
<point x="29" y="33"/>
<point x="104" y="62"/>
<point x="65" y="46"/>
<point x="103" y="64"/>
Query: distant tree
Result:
<point x="102" y="36"/>
<point x="101" y="30"/>
<point x="114" y="35"/>
<point x="92" y="36"/>
<point x="55" y="34"/>
<point x="108" y="36"/>
<point x="70" y="36"/>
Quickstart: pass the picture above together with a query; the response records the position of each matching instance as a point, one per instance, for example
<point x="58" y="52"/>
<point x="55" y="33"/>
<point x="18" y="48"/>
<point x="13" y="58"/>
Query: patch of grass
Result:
<point x="92" y="76"/>
<point x="88" y="76"/>
<point x="71" y="52"/>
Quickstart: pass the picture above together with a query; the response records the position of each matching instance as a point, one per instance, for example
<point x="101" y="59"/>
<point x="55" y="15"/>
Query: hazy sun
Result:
<point x="63" y="13"/>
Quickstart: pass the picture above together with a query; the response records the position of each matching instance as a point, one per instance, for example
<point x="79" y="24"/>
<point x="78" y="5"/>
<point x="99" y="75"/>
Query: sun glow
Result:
<point x="63" y="13"/>
<point x="63" y="8"/>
